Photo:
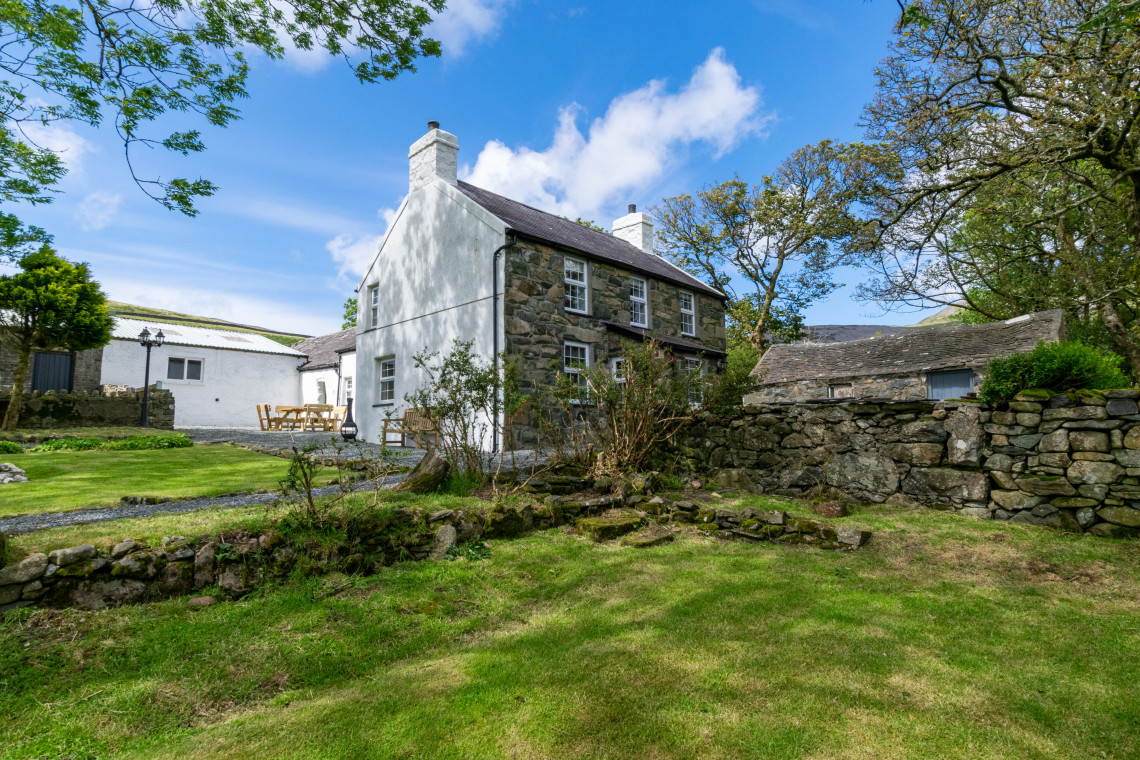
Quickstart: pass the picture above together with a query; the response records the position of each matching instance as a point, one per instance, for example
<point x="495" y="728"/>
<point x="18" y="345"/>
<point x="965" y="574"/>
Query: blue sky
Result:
<point x="577" y="107"/>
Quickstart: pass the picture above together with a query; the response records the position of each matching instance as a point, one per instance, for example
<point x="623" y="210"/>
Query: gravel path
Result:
<point x="29" y="523"/>
<point x="284" y="439"/>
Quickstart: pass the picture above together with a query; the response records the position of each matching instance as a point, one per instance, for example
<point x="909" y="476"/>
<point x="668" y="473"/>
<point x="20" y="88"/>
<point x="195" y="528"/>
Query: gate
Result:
<point x="53" y="372"/>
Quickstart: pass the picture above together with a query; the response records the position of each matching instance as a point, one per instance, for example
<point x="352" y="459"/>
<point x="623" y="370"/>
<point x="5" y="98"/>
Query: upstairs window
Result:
<point x="387" y="378"/>
<point x="348" y="387"/>
<point x="577" y="291"/>
<point x="638" y="305"/>
<point x="183" y="369"/>
<point x="575" y="363"/>
<point x="374" y="306"/>
<point x="688" y="314"/>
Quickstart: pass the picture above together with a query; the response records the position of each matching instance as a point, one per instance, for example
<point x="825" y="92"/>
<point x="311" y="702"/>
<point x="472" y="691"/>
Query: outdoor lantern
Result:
<point x="348" y="429"/>
<point x="144" y="337"/>
<point x="147" y="342"/>
<point x="158" y="338"/>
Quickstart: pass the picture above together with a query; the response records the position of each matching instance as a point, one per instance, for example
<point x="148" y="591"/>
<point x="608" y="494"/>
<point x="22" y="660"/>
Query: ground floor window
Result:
<point x="575" y="363"/>
<point x="183" y="369"/>
<point x="841" y="391"/>
<point x="617" y="369"/>
<point x="957" y="383"/>
<point x="348" y="387"/>
<point x="387" y="375"/>
<point x="693" y="366"/>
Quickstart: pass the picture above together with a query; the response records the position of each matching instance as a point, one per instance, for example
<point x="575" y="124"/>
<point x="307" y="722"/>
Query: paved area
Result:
<point x="328" y="442"/>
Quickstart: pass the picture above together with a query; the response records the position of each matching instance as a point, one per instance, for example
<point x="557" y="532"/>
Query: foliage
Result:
<point x="130" y="443"/>
<point x="301" y="479"/>
<point x="474" y="551"/>
<point x="1016" y="128"/>
<point x="136" y="64"/>
<point x="51" y="304"/>
<point x="463" y="393"/>
<point x="726" y="390"/>
<point x="348" y="321"/>
<point x="781" y="238"/>
<point x="10" y="447"/>
<point x="590" y="223"/>
<point x="1054" y="367"/>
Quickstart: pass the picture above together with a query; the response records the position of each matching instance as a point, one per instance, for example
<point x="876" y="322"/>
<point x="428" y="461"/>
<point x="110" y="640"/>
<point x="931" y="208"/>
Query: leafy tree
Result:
<point x="983" y="98"/>
<point x="779" y="240"/>
<point x="349" y="319"/>
<point x="51" y="304"/>
<point x="1056" y="367"/>
<point x="135" y="63"/>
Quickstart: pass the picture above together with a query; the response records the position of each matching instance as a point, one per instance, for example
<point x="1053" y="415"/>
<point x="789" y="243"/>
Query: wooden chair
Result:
<point x="267" y="419"/>
<point x="336" y="419"/>
<point x="317" y="416"/>
<point x="417" y="423"/>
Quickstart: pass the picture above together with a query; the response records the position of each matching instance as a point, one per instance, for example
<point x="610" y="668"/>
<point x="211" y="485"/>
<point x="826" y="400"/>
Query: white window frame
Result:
<point x="617" y="369"/>
<point x="186" y="369"/>
<point x="695" y="364"/>
<point x="348" y="387"/>
<point x="386" y="383"/>
<point x="374" y="306"/>
<point x="636" y="301"/>
<point x="578" y="372"/>
<point x="688" y="315"/>
<point x="572" y="285"/>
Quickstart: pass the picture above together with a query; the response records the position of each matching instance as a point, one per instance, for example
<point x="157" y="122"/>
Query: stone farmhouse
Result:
<point x="938" y="363"/>
<point x="461" y="262"/>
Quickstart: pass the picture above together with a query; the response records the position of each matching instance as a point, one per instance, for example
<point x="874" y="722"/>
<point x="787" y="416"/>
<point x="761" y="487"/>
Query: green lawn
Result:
<point x="63" y="480"/>
<point x="944" y="638"/>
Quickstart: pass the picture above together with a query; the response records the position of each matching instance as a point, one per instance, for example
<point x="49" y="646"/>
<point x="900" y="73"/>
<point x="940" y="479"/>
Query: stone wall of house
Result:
<point x="1069" y="461"/>
<point x="536" y="324"/>
<point x="88" y="366"/>
<point x="82" y="409"/>
<point x="901" y="387"/>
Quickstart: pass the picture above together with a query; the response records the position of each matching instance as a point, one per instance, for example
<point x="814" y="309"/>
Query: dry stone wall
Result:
<point x="53" y="410"/>
<point x="1069" y="461"/>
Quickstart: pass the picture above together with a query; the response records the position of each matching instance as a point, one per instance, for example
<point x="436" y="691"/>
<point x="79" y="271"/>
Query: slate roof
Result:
<point x="530" y="222"/>
<point x="186" y="335"/>
<point x="842" y="333"/>
<point x="325" y="350"/>
<point x="920" y="349"/>
<point x="684" y="344"/>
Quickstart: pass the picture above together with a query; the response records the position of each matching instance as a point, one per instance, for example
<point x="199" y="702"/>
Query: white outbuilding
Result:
<point x="218" y="377"/>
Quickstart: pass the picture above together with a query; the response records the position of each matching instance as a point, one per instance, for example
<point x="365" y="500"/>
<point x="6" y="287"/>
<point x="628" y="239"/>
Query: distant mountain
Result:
<point x="843" y="333"/>
<point x="173" y="317"/>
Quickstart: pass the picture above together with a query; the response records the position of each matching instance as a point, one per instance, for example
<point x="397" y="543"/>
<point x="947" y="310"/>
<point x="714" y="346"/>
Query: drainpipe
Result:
<point x="495" y="337"/>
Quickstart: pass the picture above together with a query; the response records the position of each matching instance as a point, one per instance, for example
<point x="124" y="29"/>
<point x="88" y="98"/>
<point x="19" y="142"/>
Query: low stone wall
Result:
<point x="1069" y="461"/>
<point x="67" y="410"/>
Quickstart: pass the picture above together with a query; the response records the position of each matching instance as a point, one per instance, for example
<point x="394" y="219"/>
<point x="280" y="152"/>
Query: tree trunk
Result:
<point x="16" y="402"/>
<point x="1121" y="335"/>
<point x="426" y="476"/>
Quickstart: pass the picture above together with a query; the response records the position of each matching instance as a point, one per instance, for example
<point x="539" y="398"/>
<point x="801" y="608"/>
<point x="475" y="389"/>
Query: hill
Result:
<point x="121" y="309"/>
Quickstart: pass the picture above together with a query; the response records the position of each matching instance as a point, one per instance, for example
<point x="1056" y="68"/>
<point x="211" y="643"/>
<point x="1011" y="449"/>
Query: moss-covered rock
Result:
<point x="606" y="528"/>
<point x="709" y="528"/>
<point x="647" y="538"/>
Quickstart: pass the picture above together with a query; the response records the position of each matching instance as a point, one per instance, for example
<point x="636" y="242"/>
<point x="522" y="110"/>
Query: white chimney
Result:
<point x="436" y="154"/>
<point x="635" y="228"/>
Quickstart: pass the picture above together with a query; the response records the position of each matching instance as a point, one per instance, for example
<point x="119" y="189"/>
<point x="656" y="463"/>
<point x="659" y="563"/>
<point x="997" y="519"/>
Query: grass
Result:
<point x="37" y="435"/>
<point x="64" y="480"/>
<point x="945" y="637"/>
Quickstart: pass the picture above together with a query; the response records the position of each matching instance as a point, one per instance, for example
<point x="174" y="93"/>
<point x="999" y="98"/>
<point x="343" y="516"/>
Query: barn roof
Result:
<point x="917" y="350"/>
<point x="187" y="335"/>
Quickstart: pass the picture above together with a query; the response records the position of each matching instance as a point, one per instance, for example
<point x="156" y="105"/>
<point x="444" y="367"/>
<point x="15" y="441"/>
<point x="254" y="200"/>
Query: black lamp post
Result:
<point x="348" y="429"/>
<point x="148" y="342"/>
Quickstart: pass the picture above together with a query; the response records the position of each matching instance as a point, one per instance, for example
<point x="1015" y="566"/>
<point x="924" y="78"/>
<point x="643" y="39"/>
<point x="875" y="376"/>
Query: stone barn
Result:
<point x="935" y="363"/>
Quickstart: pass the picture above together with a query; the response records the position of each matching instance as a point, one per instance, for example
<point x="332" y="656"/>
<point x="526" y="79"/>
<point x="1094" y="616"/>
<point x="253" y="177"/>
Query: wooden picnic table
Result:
<point x="292" y="417"/>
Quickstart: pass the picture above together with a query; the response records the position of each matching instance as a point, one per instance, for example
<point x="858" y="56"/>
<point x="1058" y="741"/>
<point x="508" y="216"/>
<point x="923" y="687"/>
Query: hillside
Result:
<point x="173" y="317"/>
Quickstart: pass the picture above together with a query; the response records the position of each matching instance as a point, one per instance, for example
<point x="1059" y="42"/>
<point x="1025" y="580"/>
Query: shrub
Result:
<point x="130" y="443"/>
<point x="8" y="447"/>
<point x="1055" y="367"/>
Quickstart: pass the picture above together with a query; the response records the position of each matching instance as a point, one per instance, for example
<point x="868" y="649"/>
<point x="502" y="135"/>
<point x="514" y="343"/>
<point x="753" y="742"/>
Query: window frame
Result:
<point x="374" y="306"/>
<point x="348" y="387"/>
<point x="386" y="384"/>
<point x="185" y="375"/>
<point x="568" y="283"/>
<point x="617" y="369"/>
<point x="696" y="395"/>
<point x="691" y="313"/>
<point x="643" y="301"/>
<point x="831" y="390"/>
<point x="581" y="381"/>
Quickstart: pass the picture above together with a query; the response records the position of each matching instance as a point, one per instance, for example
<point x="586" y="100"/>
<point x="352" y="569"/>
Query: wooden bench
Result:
<point x="267" y="419"/>
<point x="417" y="423"/>
<point x="318" y="416"/>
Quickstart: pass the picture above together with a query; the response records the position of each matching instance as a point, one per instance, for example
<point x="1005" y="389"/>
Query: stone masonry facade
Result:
<point x="902" y="387"/>
<point x="82" y="409"/>
<point x="536" y="324"/>
<point x="1068" y="461"/>
<point x="87" y="368"/>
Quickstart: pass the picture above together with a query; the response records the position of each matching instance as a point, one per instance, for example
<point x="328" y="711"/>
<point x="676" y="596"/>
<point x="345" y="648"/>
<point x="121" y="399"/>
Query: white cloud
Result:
<point x="96" y="210"/>
<point x="61" y="139"/>
<point x="466" y="21"/>
<point x="627" y="149"/>
<point x="353" y="253"/>
<point x="288" y="215"/>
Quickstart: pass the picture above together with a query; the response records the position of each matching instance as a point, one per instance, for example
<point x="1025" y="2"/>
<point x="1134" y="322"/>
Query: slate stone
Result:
<point x="1126" y="516"/>
<point x="1094" y="472"/>
<point x="1121" y="406"/>
<point x="69" y="556"/>
<point x="25" y="570"/>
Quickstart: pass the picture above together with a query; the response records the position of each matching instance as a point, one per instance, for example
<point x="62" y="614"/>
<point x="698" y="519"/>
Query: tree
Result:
<point x="779" y="240"/>
<point x="349" y="319"/>
<point x="137" y="63"/>
<point x="983" y="98"/>
<point x="52" y="304"/>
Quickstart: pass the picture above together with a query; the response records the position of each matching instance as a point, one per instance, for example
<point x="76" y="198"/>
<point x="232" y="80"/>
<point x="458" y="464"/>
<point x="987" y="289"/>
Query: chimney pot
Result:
<point x="433" y="156"/>
<point x="636" y="229"/>
<point x="433" y="125"/>
<point x="633" y="208"/>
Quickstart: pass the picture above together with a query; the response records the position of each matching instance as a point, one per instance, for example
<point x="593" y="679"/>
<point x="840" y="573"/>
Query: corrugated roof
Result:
<point x="920" y="349"/>
<point x="186" y="335"/>
<point x="325" y="350"/>
<point x="531" y="222"/>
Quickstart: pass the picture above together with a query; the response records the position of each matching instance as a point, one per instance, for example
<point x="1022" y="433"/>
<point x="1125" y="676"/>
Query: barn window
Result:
<point x="953" y="384"/>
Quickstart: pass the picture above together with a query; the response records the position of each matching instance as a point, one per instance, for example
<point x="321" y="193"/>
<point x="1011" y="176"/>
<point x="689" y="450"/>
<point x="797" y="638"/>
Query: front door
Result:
<point x="53" y="372"/>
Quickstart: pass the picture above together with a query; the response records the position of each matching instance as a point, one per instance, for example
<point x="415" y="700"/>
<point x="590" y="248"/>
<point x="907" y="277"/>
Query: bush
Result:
<point x="8" y="447"/>
<point x="1055" y="367"/>
<point x="130" y="443"/>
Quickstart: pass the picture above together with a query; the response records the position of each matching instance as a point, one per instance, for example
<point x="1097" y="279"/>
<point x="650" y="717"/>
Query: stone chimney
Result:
<point x="635" y="228"/>
<point x="436" y="154"/>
